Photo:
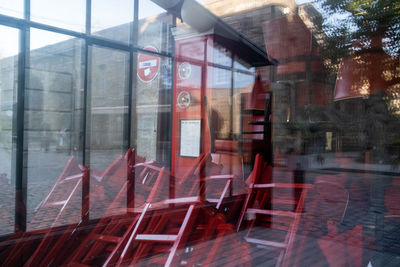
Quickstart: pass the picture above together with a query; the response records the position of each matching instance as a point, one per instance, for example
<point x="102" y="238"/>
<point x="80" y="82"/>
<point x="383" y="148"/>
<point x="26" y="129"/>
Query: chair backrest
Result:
<point x="392" y="198"/>
<point x="195" y="168"/>
<point x="255" y="175"/>
<point x="333" y="197"/>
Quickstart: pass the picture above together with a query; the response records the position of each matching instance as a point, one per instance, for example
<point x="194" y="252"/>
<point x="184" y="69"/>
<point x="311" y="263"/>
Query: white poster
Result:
<point x="190" y="138"/>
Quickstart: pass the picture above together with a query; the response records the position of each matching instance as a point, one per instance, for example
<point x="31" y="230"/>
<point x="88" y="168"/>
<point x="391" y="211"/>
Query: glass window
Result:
<point x="69" y="14"/>
<point x="221" y="56"/>
<point x="53" y="129"/>
<point x="12" y="8"/>
<point x="154" y="27"/>
<point x="8" y="91"/>
<point x="242" y="65"/>
<point x="112" y="19"/>
<point x="242" y="86"/>
<point x="153" y="107"/>
<point x="108" y="87"/>
<point x="292" y="163"/>
<point x="221" y="101"/>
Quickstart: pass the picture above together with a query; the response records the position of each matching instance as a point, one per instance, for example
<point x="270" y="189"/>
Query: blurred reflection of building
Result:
<point x="315" y="110"/>
<point x="367" y="91"/>
<point x="302" y="90"/>
<point x="54" y="92"/>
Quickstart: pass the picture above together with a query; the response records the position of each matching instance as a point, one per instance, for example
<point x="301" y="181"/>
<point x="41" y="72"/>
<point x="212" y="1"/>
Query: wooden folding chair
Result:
<point x="111" y="232"/>
<point x="203" y="180"/>
<point x="158" y="235"/>
<point x="107" y="184"/>
<point x="105" y="238"/>
<point x="328" y="204"/>
<point x="59" y="207"/>
<point x="117" y="170"/>
<point x="188" y="188"/>
<point x="150" y="184"/>
<point x="46" y="251"/>
<point x="274" y="220"/>
<point x="218" y="245"/>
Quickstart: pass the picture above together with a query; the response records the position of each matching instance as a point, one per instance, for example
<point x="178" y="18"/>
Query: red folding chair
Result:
<point x="188" y="188"/>
<point x="328" y="206"/>
<point x="272" y="215"/>
<point x="104" y="186"/>
<point x="158" y="235"/>
<point x="58" y="208"/>
<point x="205" y="181"/>
<point x="105" y="239"/>
<point x="47" y="250"/>
<point x="111" y="232"/>
<point x="193" y="189"/>
<point x="218" y="245"/>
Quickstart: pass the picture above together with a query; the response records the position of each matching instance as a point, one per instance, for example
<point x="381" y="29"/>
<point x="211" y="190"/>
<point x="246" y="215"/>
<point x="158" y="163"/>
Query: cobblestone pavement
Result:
<point x="366" y="184"/>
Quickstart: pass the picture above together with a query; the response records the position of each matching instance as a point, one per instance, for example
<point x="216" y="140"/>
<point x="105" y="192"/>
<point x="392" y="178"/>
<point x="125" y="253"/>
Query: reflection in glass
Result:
<point x="221" y="113"/>
<point x="12" y="8"/>
<point x="148" y="8"/>
<point x="59" y="13"/>
<point x="42" y="39"/>
<point x="53" y="129"/>
<point x="242" y="65"/>
<point x="153" y="109"/>
<point x="334" y="130"/>
<point x="221" y="56"/>
<point x="108" y="86"/>
<point x="154" y="27"/>
<point x="8" y="89"/>
<point x="242" y="85"/>
<point x="112" y="19"/>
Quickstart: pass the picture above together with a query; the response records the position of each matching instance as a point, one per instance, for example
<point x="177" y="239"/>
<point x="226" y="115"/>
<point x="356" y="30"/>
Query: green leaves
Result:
<point x="375" y="23"/>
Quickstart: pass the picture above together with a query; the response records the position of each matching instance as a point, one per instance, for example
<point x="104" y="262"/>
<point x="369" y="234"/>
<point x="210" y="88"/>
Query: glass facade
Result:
<point x="117" y="15"/>
<point x="8" y="83"/>
<point x="52" y="118"/>
<point x="199" y="133"/>
<point x="58" y="13"/>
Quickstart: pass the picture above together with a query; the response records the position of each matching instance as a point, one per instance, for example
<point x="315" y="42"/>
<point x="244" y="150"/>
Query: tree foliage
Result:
<point x="373" y="24"/>
<point x="367" y="34"/>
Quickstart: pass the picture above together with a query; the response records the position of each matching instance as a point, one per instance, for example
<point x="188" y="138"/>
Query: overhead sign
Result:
<point x="148" y="65"/>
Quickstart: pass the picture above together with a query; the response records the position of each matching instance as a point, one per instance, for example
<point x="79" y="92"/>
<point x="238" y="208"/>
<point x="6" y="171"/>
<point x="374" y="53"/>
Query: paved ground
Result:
<point x="43" y="170"/>
<point x="366" y="185"/>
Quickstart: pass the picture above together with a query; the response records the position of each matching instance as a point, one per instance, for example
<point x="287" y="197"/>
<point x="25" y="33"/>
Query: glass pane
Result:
<point x="242" y="65"/>
<point x="12" y="8"/>
<point x="108" y="86"/>
<point x="242" y="87"/>
<point x="153" y="107"/>
<point x="152" y="126"/>
<point x="221" y="56"/>
<point x="69" y="14"/>
<point x="301" y="166"/>
<point x="53" y="129"/>
<point x="8" y="90"/>
<point x="154" y="27"/>
<point x="112" y="19"/>
<point x="221" y="102"/>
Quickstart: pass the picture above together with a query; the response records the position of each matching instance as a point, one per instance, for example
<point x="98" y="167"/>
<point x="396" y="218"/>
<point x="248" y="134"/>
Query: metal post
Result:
<point x="85" y="212"/>
<point x="20" y="174"/>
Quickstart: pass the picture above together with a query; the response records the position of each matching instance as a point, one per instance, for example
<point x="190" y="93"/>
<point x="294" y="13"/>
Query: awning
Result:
<point x="201" y="19"/>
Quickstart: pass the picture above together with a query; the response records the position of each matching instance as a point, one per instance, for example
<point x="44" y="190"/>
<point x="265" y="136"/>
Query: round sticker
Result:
<point x="184" y="99"/>
<point x="184" y="70"/>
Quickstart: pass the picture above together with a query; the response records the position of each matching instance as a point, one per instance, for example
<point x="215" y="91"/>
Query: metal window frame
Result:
<point x="24" y="25"/>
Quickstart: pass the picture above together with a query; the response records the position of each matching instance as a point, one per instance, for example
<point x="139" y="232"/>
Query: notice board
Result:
<point x="190" y="138"/>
